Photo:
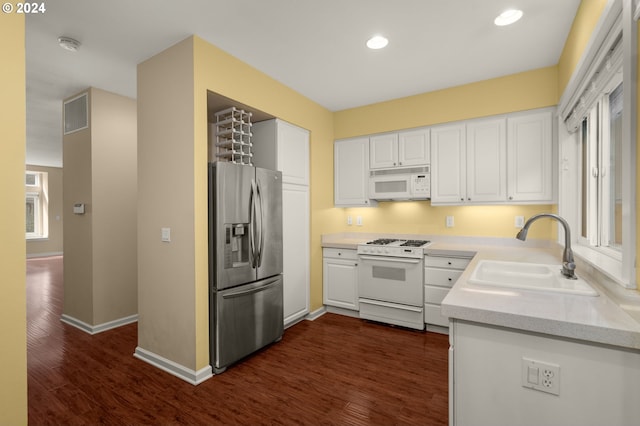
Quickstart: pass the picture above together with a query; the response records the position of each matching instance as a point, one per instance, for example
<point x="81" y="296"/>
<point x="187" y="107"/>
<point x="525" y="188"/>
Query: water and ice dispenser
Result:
<point x="236" y="245"/>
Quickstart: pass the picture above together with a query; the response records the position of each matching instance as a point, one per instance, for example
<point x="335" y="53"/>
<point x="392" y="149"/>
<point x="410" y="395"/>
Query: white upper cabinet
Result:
<point x="408" y="148"/>
<point x="448" y="164"/>
<point x="413" y="148"/>
<point x="530" y="157"/>
<point x="505" y="159"/>
<point x="383" y="151"/>
<point x="279" y="145"/>
<point x="351" y="172"/>
<point x="486" y="160"/>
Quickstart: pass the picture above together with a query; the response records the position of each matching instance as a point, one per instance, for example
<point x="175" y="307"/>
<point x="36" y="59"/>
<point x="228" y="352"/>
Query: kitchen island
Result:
<point x="533" y="357"/>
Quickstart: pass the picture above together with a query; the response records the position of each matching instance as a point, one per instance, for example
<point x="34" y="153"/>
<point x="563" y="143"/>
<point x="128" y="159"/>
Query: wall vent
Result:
<point x="76" y="114"/>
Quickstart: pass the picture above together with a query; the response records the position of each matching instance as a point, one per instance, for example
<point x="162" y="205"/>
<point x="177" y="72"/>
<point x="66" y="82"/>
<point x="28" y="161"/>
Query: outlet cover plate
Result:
<point x="541" y="376"/>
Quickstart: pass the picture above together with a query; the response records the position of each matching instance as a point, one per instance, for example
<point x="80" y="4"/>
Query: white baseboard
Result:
<point x="171" y="367"/>
<point x="48" y="254"/>
<point x="95" y="329"/>
<point x="312" y="316"/>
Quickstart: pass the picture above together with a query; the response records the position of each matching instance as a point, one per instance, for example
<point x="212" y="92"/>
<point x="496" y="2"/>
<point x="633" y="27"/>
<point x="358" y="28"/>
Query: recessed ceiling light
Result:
<point x="377" y="42"/>
<point x="68" y="43"/>
<point x="508" y="17"/>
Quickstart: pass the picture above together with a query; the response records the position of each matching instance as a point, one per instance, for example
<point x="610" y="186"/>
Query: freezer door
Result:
<point x="269" y="241"/>
<point x="230" y="250"/>
<point x="246" y="319"/>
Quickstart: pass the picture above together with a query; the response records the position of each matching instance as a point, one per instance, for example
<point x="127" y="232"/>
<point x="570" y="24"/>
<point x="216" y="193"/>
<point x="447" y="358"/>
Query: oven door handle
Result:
<point x="391" y="259"/>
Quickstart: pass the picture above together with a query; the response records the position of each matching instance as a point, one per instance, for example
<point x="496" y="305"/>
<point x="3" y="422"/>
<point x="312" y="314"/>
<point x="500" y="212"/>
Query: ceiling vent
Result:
<point x="76" y="114"/>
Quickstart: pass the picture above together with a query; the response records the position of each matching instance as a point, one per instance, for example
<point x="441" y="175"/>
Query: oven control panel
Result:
<point x="412" y="252"/>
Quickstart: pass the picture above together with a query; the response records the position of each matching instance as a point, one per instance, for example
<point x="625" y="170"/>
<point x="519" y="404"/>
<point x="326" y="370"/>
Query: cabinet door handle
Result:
<point x="510" y="197"/>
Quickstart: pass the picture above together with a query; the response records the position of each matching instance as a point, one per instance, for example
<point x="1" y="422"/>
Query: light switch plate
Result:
<point x="519" y="222"/>
<point x="166" y="235"/>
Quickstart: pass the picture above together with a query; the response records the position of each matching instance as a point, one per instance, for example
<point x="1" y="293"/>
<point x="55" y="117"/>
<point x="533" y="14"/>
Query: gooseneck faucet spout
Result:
<point x="568" y="264"/>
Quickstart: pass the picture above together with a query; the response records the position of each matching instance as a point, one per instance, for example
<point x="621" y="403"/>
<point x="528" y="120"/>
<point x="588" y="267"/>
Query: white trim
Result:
<point x="602" y="37"/>
<point x="312" y="316"/>
<point x="180" y="371"/>
<point x="46" y="254"/>
<point x="95" y="329"/>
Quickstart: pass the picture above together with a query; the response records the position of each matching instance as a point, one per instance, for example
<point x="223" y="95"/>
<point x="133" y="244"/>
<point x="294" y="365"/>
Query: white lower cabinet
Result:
<point x="493" y="371"/>
<point x="440" y="273"/>
<point x="340" y="278"/>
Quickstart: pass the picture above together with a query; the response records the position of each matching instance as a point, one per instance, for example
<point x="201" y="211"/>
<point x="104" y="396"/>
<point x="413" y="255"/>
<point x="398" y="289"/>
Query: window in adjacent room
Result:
<point x="37" y="203"/>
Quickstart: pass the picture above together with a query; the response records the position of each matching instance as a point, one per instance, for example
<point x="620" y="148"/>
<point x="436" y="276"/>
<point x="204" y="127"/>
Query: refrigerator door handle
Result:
<point x="261" y="232"/>
<point x="252" y="236"/>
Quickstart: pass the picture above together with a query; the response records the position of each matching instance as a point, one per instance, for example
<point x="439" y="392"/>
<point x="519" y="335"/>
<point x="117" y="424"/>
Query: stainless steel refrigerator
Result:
<point x="245" y="261"/>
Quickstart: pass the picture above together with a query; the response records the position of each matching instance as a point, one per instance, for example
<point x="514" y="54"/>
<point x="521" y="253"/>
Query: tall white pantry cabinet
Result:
<point x="279" y="145"/>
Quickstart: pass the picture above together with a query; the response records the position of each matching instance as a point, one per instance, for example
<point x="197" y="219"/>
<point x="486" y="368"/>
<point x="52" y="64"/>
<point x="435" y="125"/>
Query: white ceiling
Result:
<point x="316" y="47"/>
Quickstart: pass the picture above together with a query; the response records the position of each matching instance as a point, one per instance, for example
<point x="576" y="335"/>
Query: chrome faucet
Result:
<point x="568" y="264"/>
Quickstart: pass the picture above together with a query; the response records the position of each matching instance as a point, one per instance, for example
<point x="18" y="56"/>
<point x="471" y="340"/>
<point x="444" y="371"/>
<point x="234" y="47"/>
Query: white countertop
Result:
<point x="598" y="319"/>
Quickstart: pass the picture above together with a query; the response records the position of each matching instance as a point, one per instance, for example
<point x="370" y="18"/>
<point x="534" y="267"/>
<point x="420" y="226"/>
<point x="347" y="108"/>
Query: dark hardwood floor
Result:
<point x="334" y="370"/>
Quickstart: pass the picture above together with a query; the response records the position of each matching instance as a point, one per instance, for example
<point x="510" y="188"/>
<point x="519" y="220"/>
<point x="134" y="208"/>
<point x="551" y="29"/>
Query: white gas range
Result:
<point x="394" y="247"/>
<point x="391" y="281"/>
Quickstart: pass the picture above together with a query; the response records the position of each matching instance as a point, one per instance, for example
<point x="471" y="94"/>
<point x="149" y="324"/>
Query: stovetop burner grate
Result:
<point x="382" y="241"/>
<point x="415" y="243"/>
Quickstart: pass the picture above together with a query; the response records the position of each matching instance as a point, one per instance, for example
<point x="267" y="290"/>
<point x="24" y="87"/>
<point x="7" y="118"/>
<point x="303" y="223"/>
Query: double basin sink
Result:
<point x="528" y="276"/>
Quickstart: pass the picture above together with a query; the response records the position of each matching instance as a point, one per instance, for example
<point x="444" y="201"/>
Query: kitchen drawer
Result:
<point x="340" y="253"/>
<point x="446" y="262"/>
<point x="432" y="315"/>
<point x="391" y="313"/>
<point x="434" y="295"/>
<point x="441" y="277"/>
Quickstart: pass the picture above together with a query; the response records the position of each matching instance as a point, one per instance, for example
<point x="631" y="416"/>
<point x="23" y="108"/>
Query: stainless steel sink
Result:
<point x="529" y="276"/>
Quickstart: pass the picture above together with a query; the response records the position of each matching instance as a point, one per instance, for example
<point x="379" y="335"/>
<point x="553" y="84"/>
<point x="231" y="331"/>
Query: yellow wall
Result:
<point x="13" y="390"/>
<point x="583" y="25"/>
<point x="517" y="92"/>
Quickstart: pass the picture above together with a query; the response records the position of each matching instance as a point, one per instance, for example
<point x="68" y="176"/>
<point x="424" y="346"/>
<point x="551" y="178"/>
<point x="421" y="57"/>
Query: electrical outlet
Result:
<point x="449" y="221"/>
<point x="359" y="220"/>
<point x="349" y="220"/>
<point x="541" y="376"/>
<point x="519" y="222"/>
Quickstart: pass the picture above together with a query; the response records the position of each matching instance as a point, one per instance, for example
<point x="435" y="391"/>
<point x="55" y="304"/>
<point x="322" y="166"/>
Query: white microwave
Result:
<point x="412" y="183"/>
